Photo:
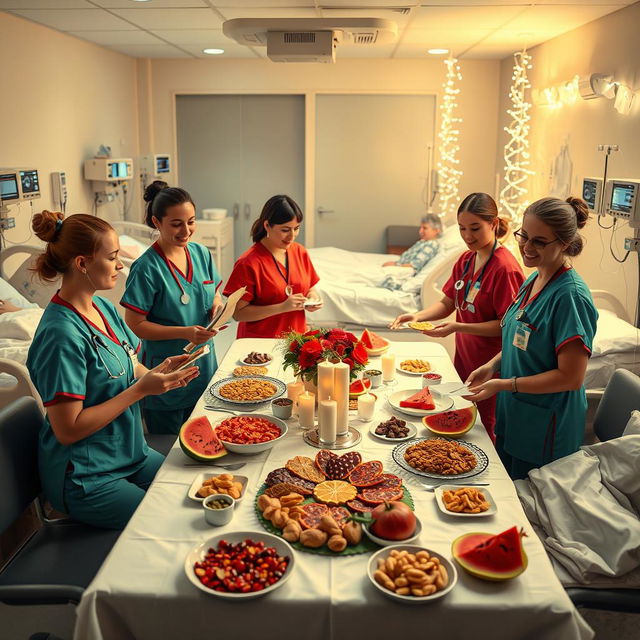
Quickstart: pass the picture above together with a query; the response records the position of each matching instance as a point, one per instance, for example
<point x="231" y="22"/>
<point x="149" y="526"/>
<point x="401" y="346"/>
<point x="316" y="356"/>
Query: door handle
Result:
<point x="236" y="211"/>
<point x="322" y="210"/>
<point x="247" y="211"/>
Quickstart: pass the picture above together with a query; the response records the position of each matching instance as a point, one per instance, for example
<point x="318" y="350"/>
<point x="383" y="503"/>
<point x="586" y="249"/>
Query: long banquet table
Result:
<point x="141" y="592"/>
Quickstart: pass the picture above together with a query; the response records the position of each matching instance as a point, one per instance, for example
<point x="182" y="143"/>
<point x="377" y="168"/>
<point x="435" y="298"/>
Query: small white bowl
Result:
<point x="282" y="411"/>
<point x="383" y="553"/>
<point x="250" y="449"/>
<point x="376" y="378"/>
<point x="198" y="553"/>
<point x="218" y="517"/>
<point x="430" y="382"/>
<point x="383" y="542"/>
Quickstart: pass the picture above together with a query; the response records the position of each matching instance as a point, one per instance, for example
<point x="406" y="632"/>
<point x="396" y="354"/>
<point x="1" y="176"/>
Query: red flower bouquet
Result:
<point x="303" y="351"/>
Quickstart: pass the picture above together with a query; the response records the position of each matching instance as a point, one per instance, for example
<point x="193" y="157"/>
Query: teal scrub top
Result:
<point x="539" y="428"/>
<point x="70" y="357"/>
<point x="154" y="288"/>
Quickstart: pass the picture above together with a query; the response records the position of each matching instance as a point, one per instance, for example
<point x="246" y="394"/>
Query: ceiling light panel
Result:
<point x="110" y="38"/>
<point x="231" y="50"/>
<point x="153" y="19"/>
<point x="221" y="5"/>
<point x="453" y="17"/>
<point x="366" y="4"/>
<point x="75" y="19"/>
<point x="153" y="4"/>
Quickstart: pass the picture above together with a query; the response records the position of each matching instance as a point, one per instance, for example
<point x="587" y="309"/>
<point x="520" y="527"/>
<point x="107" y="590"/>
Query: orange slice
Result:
<point x="335" y="492"/>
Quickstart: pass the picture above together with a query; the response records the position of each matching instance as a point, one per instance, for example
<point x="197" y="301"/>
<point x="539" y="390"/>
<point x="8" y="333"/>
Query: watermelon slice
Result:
<point x="421" y="400"/>
<point x="358" y="387"/>
<point x="491" y="557"/>
<point x="199" y="441"/>
<point x="374" y="344"/>
<point x="452" y="424"/>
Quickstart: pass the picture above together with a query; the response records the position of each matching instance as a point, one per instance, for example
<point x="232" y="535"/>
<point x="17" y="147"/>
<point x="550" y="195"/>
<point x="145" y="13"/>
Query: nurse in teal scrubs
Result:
<point x="547" y="336"/>
<point x="170" y="295"/>
<point x="94" y="462"/>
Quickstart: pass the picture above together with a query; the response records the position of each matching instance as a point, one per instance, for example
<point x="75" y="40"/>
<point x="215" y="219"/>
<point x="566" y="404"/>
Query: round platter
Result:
<point x="481" y="457"/>
<point x="214" y="390"/>
<point x="256" y="364"/>
<point x="412" y="433"/>
<point x="364" y="546"/>
<point x="413" y="373"/>
<point x="443" y="403"/>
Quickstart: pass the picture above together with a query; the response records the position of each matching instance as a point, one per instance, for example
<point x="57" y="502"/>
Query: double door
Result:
<point x="236" y="151"/>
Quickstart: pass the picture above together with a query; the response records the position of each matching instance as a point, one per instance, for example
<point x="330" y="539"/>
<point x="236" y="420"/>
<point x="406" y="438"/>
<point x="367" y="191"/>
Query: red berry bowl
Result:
<point x="240" y="565"/>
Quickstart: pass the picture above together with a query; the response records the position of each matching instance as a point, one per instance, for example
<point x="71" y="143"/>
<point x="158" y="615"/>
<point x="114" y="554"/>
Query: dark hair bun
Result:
<point x="581" y="209"/>
<point x="502" y="228"/>
<point x="153" y="189"/>
<point x="44" y="224"/>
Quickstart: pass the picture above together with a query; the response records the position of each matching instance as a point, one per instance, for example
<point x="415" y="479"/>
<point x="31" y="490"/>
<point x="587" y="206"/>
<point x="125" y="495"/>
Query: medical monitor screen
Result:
<point x="162" y="164"/>
<point x="29" y="181"/>
<point x="118" y="170"/>
<point x="622" y="197"/>
<point x="589" y="192"/>
<point x="8" y="187"/>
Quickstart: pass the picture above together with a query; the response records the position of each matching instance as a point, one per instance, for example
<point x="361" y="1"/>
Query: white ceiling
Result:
<point x="480" y="29"/>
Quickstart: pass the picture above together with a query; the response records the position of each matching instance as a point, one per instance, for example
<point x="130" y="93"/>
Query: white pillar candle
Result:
<point x="327" y="412"/>
<point x="366" y="406"/>
<point x="341" y="396"/>
<point x="325" y="380"/>
<point x="294" y="389"/>
<point x="388" y="367"/>
<point x="306" y="409"/>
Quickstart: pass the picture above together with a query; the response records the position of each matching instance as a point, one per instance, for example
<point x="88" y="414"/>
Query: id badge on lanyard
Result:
<point x="133" y="356"/>
<point x="471" y="296"/>
<point x="521" y="337"/>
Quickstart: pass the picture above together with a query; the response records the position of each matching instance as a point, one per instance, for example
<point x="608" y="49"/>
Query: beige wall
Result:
<point x="61" y="98"/>
<point x="478" y="101"/>
<point x="608" y="45"/>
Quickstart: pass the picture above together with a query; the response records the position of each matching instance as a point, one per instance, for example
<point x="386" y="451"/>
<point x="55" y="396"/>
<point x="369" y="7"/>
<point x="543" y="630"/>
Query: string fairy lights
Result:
<point x="448" y="135"/>
<point x="516" y="152"/>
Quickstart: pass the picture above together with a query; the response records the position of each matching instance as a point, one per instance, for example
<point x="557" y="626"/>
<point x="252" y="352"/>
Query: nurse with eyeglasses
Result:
<point x="93" y="459"/>
<point x="481" y="286"/>
<point x="547" y="336"/>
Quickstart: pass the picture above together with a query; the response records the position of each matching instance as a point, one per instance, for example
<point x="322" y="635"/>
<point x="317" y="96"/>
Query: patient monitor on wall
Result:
<point x="108" y="169"/>
<point x="623" y="201"/>
<point x="155" y="166"/>
<point x="592" y="193"/>
<point x="29" y="184"/>
<point x="9" y="186"/>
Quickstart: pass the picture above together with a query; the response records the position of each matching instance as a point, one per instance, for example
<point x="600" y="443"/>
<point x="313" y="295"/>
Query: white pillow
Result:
<point x="20" y="325"/>
<point x="633" y="426"/>
<point x="614" y="335"/>
<point x="131" y="247"/>
<point x="450" y="237"/>
<point x="10" y="294"/>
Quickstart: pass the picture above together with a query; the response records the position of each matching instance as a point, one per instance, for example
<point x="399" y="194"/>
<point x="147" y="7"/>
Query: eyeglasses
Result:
<point x="522" y="239"/>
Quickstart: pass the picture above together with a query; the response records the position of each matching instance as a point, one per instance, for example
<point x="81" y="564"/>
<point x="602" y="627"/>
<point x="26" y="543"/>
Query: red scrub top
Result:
<point x="266" y="279"/>
<point x="498" y="287"/>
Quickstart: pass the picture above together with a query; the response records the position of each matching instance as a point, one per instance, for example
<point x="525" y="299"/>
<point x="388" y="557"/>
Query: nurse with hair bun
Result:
<point x="93" y="460"/>
<point x="547" y="337"/>
<point x="171" y="294"/>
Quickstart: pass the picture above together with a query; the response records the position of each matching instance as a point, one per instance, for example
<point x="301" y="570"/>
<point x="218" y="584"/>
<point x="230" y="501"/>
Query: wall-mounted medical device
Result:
<point x="108" y="169"/>
<point x="59" y="189"/>
<point x="155" y="165"/>
<point x="592" y="193"/>
<point x="622" y="200"/>
<point x="9" y="186"/>
<point x="29" y="184"/>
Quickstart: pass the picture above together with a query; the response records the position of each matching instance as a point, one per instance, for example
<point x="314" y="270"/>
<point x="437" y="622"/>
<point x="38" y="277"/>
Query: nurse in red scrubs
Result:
<point x="277" y="273"/>
<point x="484" y="282"/>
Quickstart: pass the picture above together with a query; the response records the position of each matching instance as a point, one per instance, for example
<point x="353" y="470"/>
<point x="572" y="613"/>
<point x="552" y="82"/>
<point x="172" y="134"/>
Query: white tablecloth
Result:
<point x="142" y="593"/>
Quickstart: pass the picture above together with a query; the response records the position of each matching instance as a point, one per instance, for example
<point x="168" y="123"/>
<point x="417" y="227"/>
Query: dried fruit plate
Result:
<point x="364" y="546"/>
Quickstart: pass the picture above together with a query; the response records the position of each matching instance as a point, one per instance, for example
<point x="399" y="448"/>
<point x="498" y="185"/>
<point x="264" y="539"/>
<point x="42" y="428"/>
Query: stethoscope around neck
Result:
<point x="98" y="341"/>
<point x="459" y="285"/>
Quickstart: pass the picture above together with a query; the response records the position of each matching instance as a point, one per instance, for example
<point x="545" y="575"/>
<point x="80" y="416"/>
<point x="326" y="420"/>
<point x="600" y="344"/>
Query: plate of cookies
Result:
<point x="465" y="502"/>
<point x="208" y="484"/>
<point x="414" y="367"/>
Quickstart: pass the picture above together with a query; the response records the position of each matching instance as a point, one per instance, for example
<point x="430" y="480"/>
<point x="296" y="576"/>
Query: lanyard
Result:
<point x="285" y="276"/>
<point x="471" y="282"/>
<point x="522" y="297"/>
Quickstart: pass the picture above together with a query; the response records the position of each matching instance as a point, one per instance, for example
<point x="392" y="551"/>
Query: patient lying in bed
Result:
<point x="416" y="257"/>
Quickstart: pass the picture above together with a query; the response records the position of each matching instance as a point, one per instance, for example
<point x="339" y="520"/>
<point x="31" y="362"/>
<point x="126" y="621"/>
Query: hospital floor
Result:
<point x="18" y="623"/>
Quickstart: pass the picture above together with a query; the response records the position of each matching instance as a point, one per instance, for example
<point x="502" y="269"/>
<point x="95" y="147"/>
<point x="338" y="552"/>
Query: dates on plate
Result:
<point x="393" y="428"/>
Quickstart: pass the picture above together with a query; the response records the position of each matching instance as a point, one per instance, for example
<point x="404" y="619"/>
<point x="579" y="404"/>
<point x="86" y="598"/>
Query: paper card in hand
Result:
<point x="198" y="353"/>
<point x="227" y="309"/>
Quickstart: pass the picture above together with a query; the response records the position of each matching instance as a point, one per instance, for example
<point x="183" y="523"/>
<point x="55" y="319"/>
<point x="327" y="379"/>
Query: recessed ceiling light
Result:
<point x="213" y="52"/>
<point x="438" y="52"/>
<point x="141" y="0"/>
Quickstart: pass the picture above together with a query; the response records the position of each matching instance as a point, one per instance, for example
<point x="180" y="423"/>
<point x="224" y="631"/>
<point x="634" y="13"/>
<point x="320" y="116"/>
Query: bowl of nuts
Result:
<point x="205" y="565"/>
<point x="411" y="574"/>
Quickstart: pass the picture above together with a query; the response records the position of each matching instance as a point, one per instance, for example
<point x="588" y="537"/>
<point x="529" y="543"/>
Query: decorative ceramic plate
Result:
<point x="412" y="433"/>
<point x="280" y="387"/>
<point x="481" y="458"/>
